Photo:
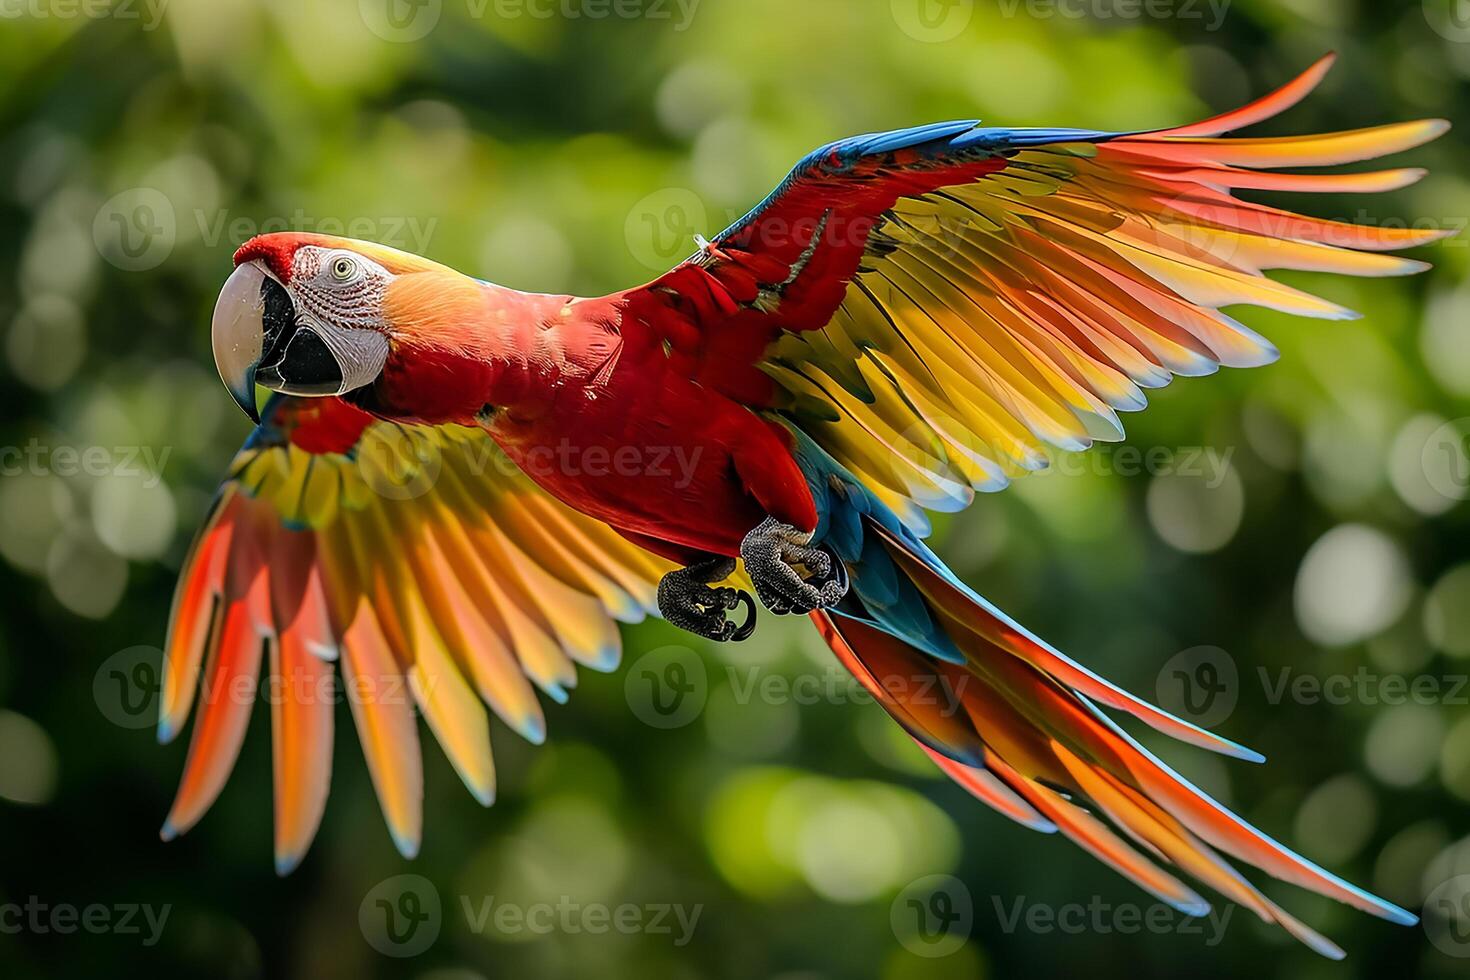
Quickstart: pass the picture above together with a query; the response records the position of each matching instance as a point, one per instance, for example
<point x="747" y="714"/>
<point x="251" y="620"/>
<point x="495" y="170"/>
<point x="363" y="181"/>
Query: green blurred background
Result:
<point x="1301" y="524"/>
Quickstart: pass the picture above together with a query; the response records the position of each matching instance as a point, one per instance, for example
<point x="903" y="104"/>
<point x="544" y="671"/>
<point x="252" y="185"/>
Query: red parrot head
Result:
<point x="310" y="314"/>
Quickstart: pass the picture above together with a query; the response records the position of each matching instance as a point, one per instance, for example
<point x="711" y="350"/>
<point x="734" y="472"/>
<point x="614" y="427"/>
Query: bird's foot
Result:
<point x="792" y="575"/>
<point x="686" y="599"/>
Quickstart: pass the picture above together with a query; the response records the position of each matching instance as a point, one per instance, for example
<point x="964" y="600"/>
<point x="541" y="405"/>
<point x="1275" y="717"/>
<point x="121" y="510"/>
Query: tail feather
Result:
<point x="1014" y="722"/>
<point x="1098" y="840"/>
<point x="1144" y="820"/>
<point x="993" y="792"/>
<point x="885" y="668"/>
<point x="968" y="615"/>
<point x="1227" y="831"/>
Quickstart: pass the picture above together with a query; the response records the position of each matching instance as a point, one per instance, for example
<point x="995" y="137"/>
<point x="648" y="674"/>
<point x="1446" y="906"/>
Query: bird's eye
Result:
<point x="342" y="268"/>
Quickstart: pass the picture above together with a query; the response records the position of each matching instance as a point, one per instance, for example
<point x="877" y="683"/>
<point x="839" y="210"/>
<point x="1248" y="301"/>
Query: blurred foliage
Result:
<point x="545" y="147"/>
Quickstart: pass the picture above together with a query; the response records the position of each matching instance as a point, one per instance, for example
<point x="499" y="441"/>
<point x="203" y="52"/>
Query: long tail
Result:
<point x="1020" y="726"/>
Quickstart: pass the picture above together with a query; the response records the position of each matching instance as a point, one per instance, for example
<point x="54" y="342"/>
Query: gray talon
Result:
<point x="776" y="555"/>
<point x="686" y="600"/>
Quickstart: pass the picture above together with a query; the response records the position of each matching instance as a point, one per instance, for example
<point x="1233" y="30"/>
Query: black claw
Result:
<point x="687" y="601"/>
<point x="836" y="573"/>
<point x="818" y="565"/>
<point x="746" y="629"/>
<point x="789" y="576"/>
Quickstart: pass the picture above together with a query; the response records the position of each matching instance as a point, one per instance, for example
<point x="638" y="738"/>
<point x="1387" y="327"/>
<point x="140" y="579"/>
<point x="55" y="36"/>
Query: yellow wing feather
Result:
<point x="417" y="546"/>
<point x="994" y="319"/>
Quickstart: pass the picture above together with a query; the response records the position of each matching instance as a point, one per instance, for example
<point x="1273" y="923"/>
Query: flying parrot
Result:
<point x="457" y="489"/>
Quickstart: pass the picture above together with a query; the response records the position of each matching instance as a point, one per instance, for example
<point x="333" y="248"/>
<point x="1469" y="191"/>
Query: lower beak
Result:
<point x="244" y="394"/>
<point x="257" y="338"/>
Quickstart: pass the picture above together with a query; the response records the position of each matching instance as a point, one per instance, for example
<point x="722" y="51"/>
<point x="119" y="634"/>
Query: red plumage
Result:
<point x="912" y="317"/>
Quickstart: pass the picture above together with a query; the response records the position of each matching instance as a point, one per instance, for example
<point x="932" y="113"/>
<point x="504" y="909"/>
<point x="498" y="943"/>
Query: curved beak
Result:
<point x="246" y="312"/>
<point x="259" y="339"/>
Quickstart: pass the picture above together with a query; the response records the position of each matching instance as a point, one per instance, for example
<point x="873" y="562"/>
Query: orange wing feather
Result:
<point x="408" y="555"/>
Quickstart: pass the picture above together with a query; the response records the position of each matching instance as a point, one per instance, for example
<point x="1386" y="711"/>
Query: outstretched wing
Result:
<point x="935" y="306"/>
<point x="419" y="560"/>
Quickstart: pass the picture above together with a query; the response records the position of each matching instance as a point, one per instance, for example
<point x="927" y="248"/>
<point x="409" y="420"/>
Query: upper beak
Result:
<point x="258" y="338"/>
<point x="252" y="310"/>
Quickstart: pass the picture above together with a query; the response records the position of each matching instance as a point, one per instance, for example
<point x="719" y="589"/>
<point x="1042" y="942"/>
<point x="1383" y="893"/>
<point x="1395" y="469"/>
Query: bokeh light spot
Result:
<point x="1447" y="612"/>
<point x="1403" y="743"/>
<point x="133" y="515"/>
<point x="28" y="761"/>
<point x="1337" y="818"/>
<point x="1196" y="514"/>
<point x="46" y="342"/>
<point x="84" y="576"/>
<point x="1353" y="582"/>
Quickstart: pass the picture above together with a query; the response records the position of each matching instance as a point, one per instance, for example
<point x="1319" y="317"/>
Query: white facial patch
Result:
<point x="339" y="293"/>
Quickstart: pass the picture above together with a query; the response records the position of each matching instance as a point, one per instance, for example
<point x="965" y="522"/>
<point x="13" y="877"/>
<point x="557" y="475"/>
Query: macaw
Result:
<point x="457" y="489"/>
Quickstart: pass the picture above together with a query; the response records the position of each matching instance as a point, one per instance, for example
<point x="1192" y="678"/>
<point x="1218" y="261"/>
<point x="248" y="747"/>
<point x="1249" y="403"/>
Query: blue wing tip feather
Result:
<point x="954" y="136"/>
<point x="957" y="136"/>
